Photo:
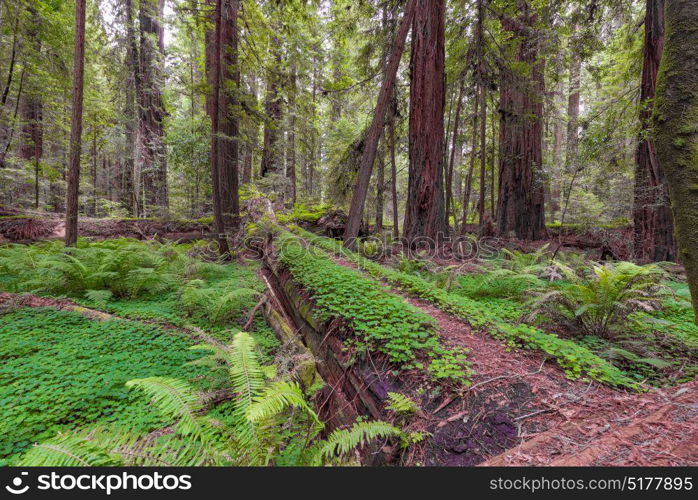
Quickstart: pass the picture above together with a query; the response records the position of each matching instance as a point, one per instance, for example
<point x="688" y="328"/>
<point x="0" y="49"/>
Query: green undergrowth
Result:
<point x="379" y="319"/>
<point x="499" y="318"/>
<point x="303" y="213"/>
<point x="61" y="371"/>
<point x="145" y="281"/>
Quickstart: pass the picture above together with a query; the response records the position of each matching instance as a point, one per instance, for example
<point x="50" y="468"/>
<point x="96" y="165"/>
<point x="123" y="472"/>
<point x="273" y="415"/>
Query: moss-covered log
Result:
<point x="676" y="123"/>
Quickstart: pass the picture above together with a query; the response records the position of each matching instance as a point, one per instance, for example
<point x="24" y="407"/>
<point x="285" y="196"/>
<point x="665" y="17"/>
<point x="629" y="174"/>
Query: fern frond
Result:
<point x="68" y="451"/>
<point x="342" y="441"/>
<point x="277" y="398"/>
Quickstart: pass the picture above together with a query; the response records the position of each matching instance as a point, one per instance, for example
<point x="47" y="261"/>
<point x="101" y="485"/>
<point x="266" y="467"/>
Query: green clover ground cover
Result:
<point x="60" y="370"/>
<point x="379" y="319"/>
<point x="575" y="360"/>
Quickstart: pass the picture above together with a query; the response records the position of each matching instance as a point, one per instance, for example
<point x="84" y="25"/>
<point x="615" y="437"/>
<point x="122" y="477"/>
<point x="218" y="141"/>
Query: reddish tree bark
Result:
<point x="374" y="132"/>
<point x="229" y="128"/>
<point x="520" y="207"/>
<point x="271" y="157"/>
<point x="151" y="107"/>
<point x="424" y="214"/>
<point x="73" y="178"/>
<point x="653" y="224"/>
<point x="452" y="158"/>
<point x="214" y="105"/>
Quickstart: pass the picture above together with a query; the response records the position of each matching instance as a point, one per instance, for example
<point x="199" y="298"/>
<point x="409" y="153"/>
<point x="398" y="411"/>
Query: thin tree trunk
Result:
<point x="291" y="157"/>
<point x="573" y="108"/>
<point x="71" y="203"/>
<point x="393" y="175"/>
<point x="451" y="161"/>
<point x="380" y="190"/>
<point x="675" y="118"/>
<point x="373" y="134"/>
<point x="469" y="177"/>
<point x="483" y="143"/>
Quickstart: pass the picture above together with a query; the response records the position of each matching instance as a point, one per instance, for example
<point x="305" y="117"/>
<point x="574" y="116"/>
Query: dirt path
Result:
<point x="521" y="410"/>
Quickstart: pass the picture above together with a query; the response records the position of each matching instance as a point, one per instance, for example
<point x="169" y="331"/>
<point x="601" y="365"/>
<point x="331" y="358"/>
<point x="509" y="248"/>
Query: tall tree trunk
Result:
<point x="152" y="111"/>
<point x="393" y="175"/>
<point x="71" y="203"/>
<point x="675" y="118"/>
<point x="129" y="183"/>
<point x="452" y="158"/>
<point x="373" y="134"/>
<point x="653" y="225"/>
<point x="291" y="156"/>
<point x="469" y="177"/>
<point x="483" y="159"/>
<point x="214" y="102"/>
<point x="251" y="146"/>
<point x="8" y="143"/>
<point x="424" y="214"/>
<point x="380" y="190"/>
<point x="482" y="95"/>
<point x="573" y="106"/>
<point x="520" y="208"/>
<point x="493" y="164"/>
<point x="271" y="154"/>
<point x="558" y="143"/>
<point x="228" y="108"/>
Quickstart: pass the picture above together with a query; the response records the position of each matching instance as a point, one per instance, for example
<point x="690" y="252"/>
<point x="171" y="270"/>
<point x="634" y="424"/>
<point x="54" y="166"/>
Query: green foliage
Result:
<point x="60" y="371"/>
<point x="253" y="436"/>
<point x="218" y="307"/>
<point x="599" y="302"/>
<point x="124" y="267"/>
<point x="303" y="213"/>
<point x="576" y="360"/>
<point x="401" y="404"/>
<point x="379" y="319"/>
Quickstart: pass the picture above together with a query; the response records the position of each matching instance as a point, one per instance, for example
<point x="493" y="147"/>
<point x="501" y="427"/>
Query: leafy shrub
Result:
<point x="216" y="306"/>
<point x="125" y="267"/>
<point x="599" y="302"/>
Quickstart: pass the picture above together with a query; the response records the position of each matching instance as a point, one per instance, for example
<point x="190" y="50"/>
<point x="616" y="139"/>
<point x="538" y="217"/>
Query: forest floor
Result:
<point x="556" y="421"/>
<point x="560" y="422"/>
<point x="519" y="409"/>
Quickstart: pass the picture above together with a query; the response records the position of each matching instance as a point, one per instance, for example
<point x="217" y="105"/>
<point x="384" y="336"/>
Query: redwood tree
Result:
<point x="675" y="119"/>
<point x="424" y="213"/>
<point x="229" y="129"/>
<point x="214" y="101"/>
<point x="653" y="225"/>
<point x="73" y="177"/>
<point x="520" y="207"/>
<point x="271" y="154"/>
<point x="150" y="103"/>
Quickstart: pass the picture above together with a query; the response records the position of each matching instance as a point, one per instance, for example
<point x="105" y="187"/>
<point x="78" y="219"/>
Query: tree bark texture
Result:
<point x="675" y="119"/>
<point x="652" y="221"/>
<point x="73" y="178"/>
<point x="424" y="213"/>
<point x="520" y="207"/>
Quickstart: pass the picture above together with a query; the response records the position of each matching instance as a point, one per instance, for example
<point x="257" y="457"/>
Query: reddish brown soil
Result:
<point x="521" y="410"/>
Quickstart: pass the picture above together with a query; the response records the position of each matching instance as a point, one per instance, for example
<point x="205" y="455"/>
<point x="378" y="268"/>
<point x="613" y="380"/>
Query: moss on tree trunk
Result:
<point x="676" y="124"/>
